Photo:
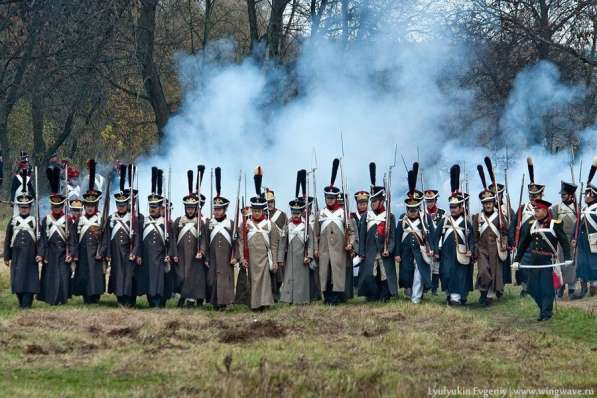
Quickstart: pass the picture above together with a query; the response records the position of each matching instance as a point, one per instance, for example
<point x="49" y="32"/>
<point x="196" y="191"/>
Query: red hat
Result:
<point x="542" y="204"/>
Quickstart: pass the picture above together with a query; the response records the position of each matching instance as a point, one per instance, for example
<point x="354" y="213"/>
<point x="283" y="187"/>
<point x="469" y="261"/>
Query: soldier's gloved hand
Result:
<point x="68" y="259"/>
<point x="39" y="259"/>
<point x="98" y="257"/>
<point x="175" y="259"/>
<point x="348" y="247"/>
<point x="573" y="243"/>
<point x="7" y="263"/>
<point x="139" y="261"/>
<point x="245" y="264"/>
<point x="385" y="253"/>
<point x="397" y="259"/>
<point x="568" y="262"/>
<point x="515" y="265"/>
<point x="316" y="254"/>
<point x="233" y="261"/>
<point x="307" y="260"/>
<point x="199" y="255"/>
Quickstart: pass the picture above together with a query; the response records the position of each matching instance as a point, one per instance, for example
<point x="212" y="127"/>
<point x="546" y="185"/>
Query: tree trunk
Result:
<point x="148" y="68"/>
<point x="316" y="16"/>
<point x="253" y="28"/>
<point x="274" y="28"/>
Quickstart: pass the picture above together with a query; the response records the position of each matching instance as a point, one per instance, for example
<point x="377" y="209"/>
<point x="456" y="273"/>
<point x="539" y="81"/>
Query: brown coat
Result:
<point x="295" y="287"/>
<point x="489" y="266"/>
<point x="262" y="240"/>
<point x="221" y="274"/>
<point x="191" y="273"/>
<point x="332" y="256"/>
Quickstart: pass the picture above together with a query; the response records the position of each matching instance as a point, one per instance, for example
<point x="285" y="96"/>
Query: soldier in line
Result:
<point x="414" y="245"/>
<point x="20" y="248"/>
<point x="433" y="215"/>
<point x="357" y="218"/>
<point x="456" y="245"/>
<point x="295" y="251"/>
<point x="349" y="283"/>
<point x="222" y="250"/>
<point x="586" y="244"/>
<point x="88" y="250"/>
<point x="188" y="245"/>
<point x="334" y="244"/>
<point x="565" y="211"/>
<point x="123" y="244"/>
<point x="538" y="249"/>
<point x="151" y="274"/>
<point x="489" y="254"/>
<point x="261" y="241"/>
<point x="377" y="273"/>
<point x="54" y="248"/>
<point x="279" y="219"/>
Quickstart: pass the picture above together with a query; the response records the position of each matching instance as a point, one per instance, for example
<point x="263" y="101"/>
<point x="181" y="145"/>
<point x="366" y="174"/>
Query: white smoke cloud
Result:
<point x="383" y="92"/>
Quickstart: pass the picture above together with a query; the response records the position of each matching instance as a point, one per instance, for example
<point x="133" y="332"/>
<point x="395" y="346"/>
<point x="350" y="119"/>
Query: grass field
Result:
<point x="393" y="349"/>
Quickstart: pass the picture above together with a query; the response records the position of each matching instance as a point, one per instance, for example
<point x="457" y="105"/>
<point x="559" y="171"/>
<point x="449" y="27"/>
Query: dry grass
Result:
<point x="351" y="350"/>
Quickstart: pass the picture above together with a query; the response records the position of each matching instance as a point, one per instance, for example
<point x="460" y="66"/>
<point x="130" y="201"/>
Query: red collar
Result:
<point x="296" y="221"/>
<point x="335" y="206"/>
<point x="259" y="219"/>
<point x="432" y="210"/>
<point x="380" y="210"/>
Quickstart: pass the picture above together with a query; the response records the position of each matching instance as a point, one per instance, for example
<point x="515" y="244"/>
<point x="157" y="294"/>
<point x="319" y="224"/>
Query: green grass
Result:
<point x="357" y="349"/>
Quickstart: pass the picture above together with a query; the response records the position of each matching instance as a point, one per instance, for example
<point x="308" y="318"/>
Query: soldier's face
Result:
<point x="190" y="211"/>
<point x="219" y="212"/>
<point x="271" y="205"/>
<point x="487" y="206"/>
<point x="455" y="211"/>
<point x="376" y="204"/>
<point x="431" y="203"/>
<point x="296" y="214"/>
<point x="121" y="208"/>
<point x="589" y="198"/>
<point x="155" y="211"/>
<point x="412" y="213"/>
<point x="24" y="211"/>
<point x="57" y="209"/>
<point x="90" y="210"/>
<point x="330" y="201"/>
<point x="566" y="197"/>
<point x="256" y="213"/>
<point x="76" y="213"/>
<point x="362" y="206"/>
<point x="540" y="213"/>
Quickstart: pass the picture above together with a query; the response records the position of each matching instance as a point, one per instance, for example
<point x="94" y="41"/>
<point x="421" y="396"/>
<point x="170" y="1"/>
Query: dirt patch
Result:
<point x="377" y="330"/>
<point x="587" y="304"/>
<point x="126" y="331"/>
<point x="248" y="332"/>
<point x="34" y="349"/>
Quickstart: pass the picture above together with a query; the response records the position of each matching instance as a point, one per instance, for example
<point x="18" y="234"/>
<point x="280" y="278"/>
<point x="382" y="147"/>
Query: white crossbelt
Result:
<point x="22" y="224"/>
<point x="56" y="226"/>
<point x="296" y="231"/>
<point x="587" y="214"/>
<point x="411" y="227"/>
<point x="328" y="217"/>
<point x="85" y="223"/>
<point x="275" y="216"/>
<point x="375" y="219"/>
<point x="449" y="227"/>
<point x="154" y="225"/>
<point x="259" y="229"/>
<point x="187" y="226"/>
<point x="119" y="223"/>
<point x="220" y="227"/>
<point x="488" y="223"/>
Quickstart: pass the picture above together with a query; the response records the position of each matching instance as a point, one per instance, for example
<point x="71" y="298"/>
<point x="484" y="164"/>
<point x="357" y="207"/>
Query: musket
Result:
<point x="307" y="214"/>
<point x="131" y="177"/>
<point x="501" y="221"/>
<point x="572" y="165"/>
<point x="211" y="193"/>
<point x="518" y="216"/>
<point x="105" y="214"/>
<point x="200" y="171"/>
<point x="345" y="207"/>
<point x="578" y="211"/>
<point x="465" y="209"/>
<point x="507" y="195"/>
<point x="37" y="219"/>
<point x="66" y="212"/>
<point x="315" y="201"/>
<point x="388" y="188"/>
<point x="236" y="218"/>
